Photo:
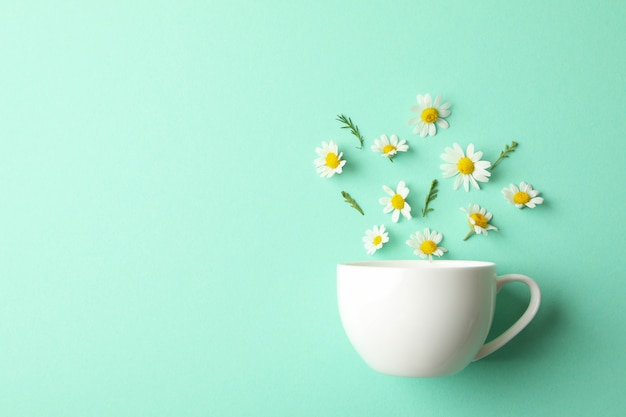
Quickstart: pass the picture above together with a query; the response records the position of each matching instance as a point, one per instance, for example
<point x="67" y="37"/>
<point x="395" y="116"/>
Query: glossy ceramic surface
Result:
<point x="421" y="318"/>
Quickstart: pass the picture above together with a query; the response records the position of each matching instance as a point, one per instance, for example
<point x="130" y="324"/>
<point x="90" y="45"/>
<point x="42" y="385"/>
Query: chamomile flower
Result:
<point x="375" y="238"/>
<point x="524" y="196"/>
<point x="427" y="244"/>
<point x="389" y="147"/>
<point x="466" y="166"/>
<point x="396" y="203"/>
<point x="329" y="163"/>
<point x="478" y="219"/>
<point x="430" y="114"/>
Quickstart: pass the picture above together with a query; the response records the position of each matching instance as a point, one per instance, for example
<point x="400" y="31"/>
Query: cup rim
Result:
<point x="418" y="263"/>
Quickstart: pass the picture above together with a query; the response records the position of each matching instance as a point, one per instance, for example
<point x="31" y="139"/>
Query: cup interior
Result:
<point x="411" y="264"/>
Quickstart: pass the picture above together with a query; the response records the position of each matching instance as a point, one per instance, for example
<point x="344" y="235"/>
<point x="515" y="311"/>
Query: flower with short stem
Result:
<point x="396" y="202"/>
<point x="524" y="196"/>
<point x="430" y="116"/>
<point x="375" y="238"/>
<point x="329" y="162"/>
<point x="467" y="166"/>
<point x="478" y="219"/>
<point x="389" y="147"/>
<point x="427" y="244"/>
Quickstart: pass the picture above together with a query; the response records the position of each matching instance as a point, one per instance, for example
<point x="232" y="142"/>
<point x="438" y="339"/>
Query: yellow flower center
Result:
<point x="465" y="165"/>
<point x="332" y="160"/>
<point x="479" y="220"/>
<point x="377" y="240"/>
<point x="521" y="197"/>
<point x="388" y="148"/>
<point x="429" y="115"/>
<point x="397" y="202"/>
<point x="428" y="247"/>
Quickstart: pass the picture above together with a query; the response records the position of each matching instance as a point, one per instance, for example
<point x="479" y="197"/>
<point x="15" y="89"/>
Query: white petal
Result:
<point x="476" y="157"/>
<point x="402" y="189"/>
<point x="450" y="156"/>
<point x="482" y="165"/>
<point x="470" y="151"/>
<point x="424" y="130"/>
<point x="389" y="190"/>
<point x="432" y="130"/>
<point x="449" y="171"/>
<point x="428" y="101"/>
<point x="479" y="176"/>
<point x="414" y="120"/>
<point x="466" y="182"/>
<point x="395" y="216"/>
<point x="458" y="181"/>
<point x="406" y="211"/>
<point x="474" y="183"/>
<point x="443" y="112"/>
<point x="442" y="123"/>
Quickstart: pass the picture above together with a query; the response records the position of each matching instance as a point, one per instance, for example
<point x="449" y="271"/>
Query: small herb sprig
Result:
<point x="505" y="153"/>
<point x="347" y="124"/>
<point x="432" y="194"/>
<point x="352" y="202"/>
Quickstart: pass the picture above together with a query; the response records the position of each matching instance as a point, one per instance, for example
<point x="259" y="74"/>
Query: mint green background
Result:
<point x="167" y="248"/>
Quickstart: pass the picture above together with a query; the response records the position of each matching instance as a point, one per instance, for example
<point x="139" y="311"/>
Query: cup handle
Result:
<point x="518" y="326"/>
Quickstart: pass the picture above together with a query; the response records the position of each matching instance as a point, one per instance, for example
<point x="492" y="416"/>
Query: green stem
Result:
<point x="471" y="231"/>
<point x="504" y="154"/>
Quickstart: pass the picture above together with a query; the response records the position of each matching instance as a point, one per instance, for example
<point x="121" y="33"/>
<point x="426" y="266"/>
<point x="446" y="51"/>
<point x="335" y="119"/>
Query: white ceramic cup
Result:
<point x="424" y="318"/>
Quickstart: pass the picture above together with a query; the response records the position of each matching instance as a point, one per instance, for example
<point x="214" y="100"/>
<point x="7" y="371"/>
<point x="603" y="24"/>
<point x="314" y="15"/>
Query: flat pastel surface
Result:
<point x="167" y="248"/>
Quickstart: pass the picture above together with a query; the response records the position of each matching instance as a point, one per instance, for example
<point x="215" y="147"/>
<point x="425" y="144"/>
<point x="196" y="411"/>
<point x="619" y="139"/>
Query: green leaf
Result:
<point x="505" y="153"/>
<point x="348" y="124"/>
<point x="432" y="195"/>
<point x="352" y="202"/>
